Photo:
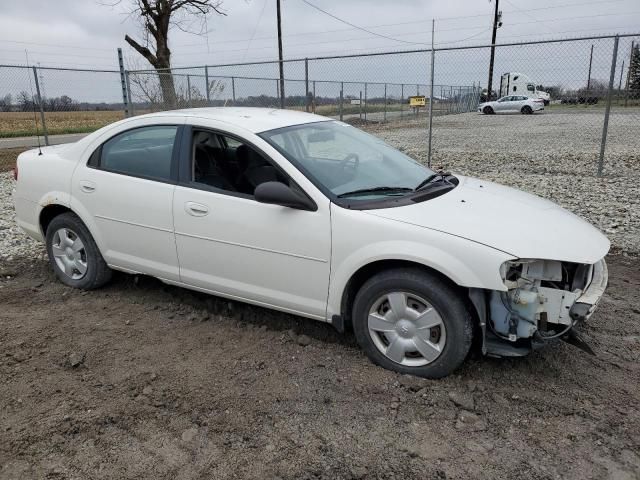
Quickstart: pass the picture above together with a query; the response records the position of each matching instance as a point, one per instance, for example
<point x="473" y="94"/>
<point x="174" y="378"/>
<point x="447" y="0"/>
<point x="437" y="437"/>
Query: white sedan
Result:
<point x="512" y="104"/>
<point x="311" y="216"/>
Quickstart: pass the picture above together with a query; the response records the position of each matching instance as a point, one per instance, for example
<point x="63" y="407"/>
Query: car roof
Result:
<point x="253" y="119"/>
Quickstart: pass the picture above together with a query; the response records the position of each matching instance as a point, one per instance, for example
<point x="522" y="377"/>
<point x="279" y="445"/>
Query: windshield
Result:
<point x="346" y="161"/>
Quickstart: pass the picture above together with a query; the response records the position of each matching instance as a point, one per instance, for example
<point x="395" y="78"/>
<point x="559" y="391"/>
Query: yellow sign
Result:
<point x="417" y="101"/>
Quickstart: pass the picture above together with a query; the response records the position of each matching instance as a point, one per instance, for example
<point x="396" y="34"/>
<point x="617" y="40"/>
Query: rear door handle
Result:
<point x="87" y="186"/>
<point x="196" y="209"/>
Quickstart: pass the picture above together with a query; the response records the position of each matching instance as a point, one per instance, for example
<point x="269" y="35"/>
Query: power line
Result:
<point x="255" y="29"/>
<point x="529" y="15"/>
<point x="439" y="19"/>
<point x="357" y="27"/>
<point x="465" y="39"/>
<point x="52" y="54"/>
<point x="55" y="45"/>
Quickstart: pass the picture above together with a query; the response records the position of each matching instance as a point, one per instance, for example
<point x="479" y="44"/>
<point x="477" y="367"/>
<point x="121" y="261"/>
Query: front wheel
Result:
<point x="74" y="255"/>
<point x="410" y="321"/>
<point x="488" y="111"/>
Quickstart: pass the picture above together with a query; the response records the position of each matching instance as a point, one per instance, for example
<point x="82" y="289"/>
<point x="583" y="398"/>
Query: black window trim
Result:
<point x="95" y="159"/>
<point x="184" y="171"/>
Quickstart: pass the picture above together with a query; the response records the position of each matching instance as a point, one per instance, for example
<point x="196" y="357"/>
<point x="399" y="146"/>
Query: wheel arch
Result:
<point x="51" y="210"/>
<point x="48" y="213"/>
<point x="365" y="272"/>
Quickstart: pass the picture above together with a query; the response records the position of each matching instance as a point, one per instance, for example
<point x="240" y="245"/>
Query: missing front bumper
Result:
<point x="586" y="304"/>
<point x="564" y="309"/>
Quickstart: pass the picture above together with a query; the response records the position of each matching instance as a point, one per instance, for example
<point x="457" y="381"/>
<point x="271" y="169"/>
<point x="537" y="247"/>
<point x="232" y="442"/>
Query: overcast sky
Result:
<point x="86" y="33"/>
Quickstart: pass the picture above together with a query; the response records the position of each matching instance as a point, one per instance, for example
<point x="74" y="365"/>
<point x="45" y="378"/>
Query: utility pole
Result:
<point x="590" y="62"/>
<point x="280" y="55"/>
<point x="497" y="23"/>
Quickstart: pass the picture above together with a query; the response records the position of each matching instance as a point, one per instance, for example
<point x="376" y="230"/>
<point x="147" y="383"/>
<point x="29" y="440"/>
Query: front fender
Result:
<point x="466" y="263"/>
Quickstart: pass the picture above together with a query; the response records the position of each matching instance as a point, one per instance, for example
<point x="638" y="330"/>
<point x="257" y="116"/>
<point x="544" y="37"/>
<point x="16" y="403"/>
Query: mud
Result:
<point x="142" y="380"/>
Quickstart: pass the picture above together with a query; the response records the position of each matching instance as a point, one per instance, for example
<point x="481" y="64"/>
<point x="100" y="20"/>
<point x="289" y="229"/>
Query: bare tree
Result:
<point x="25" y="102"/>
<point x="6" y="103"/>
<point x="157" y="17"/>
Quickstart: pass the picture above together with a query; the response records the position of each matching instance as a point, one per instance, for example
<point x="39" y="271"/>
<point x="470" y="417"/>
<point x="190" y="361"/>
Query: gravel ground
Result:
<point x="14" y="243"/>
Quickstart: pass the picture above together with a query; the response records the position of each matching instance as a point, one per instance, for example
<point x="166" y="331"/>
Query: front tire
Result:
<point x="410" y="321"/>
<point x="74" y="255"/>
<point x="488" y="111"/>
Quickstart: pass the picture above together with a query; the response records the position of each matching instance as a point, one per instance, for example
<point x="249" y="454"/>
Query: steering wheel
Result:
<point x="350" y="163"/>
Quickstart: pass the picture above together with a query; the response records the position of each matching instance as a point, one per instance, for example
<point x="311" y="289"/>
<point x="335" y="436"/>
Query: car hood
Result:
<point x="510" y="220"/>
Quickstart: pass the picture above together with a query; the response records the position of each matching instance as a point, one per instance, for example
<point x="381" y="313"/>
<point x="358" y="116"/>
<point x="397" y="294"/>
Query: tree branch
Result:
<point x="144" y="51"/>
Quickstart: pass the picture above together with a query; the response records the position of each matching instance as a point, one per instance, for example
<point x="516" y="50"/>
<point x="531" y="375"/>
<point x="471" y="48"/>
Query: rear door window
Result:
<point x="143" y="152"/>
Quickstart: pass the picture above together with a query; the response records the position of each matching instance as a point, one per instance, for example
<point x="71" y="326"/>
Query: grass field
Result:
<point x="23" y="124"/>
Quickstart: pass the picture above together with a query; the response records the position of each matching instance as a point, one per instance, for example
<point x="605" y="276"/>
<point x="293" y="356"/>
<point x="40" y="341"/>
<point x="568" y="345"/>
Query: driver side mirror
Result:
<point x="277" y="193"/>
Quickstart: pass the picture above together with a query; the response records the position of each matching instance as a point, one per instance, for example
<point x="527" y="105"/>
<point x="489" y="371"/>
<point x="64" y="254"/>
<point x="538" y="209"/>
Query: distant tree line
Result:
<point x="24" y="102"/>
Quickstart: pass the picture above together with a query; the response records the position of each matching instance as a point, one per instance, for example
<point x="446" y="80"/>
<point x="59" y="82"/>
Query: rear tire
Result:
<point x="526" y="110"/>
<point x="488" y="111"/>
<point x="412" y="322"/>
<point x="74" y="255"/>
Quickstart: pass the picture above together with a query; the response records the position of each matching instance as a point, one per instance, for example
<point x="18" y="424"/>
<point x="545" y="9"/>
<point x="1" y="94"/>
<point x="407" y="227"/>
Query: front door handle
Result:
<point x="87" y="187"/>
<point x="196" y="209"/>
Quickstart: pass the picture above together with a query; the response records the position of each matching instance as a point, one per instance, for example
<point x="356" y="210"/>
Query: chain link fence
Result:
<point x="590" y="88"/>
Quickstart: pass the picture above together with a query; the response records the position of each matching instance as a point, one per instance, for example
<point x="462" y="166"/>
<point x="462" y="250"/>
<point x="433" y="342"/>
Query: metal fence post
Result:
<point x="314" y="97"/>
<point x="206" y="85"/>
<point x="233" y="89"/>
<point x="189" y="90"/>
<point x="129" y="100"/>
<point x="123" y="84"/>
<point x="433" y="57"/>
<point x="365" y="102"/>
<point x="607" y="111"/>
<point x="360" y="104"/>
<point x="385" y="102"/>
<point x="306" y="84"/>
<point x="44" y="125"/>
<point x="341" y="98"/>
<point x="401" y="99"/>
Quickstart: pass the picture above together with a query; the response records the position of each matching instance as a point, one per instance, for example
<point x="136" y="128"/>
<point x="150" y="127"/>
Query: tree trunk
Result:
<point x="165" y="75"/>
<point x="162" y="64"/>
<point x="168" y="89"/>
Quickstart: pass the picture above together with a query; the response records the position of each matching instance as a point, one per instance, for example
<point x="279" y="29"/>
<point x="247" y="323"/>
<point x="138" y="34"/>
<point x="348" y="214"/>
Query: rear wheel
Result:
<point x="488" y="111"/>
<point x="410" y="321"/>
<point x="74" y="255"/>
<point x="526" y="110"/>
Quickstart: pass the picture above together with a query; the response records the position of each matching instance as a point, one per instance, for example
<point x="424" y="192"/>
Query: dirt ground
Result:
<point x="142" y="380"/>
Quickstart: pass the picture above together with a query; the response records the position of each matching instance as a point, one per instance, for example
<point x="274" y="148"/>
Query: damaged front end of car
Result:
<point x="544" y="300"/>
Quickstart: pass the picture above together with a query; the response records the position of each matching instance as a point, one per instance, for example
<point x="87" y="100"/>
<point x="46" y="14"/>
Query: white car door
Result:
<point x="502" y="104"/>
<point x="520" y="102"/>
<point x="511" y="105"/>
<point x="124" y="191"/>
<point x="230" y="244"/>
